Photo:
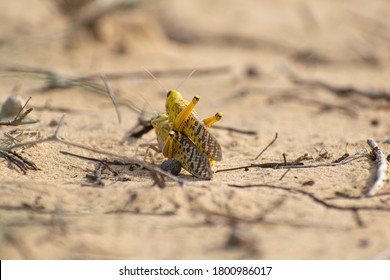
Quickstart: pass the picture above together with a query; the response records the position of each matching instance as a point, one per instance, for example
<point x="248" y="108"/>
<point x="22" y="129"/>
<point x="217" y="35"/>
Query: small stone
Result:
<point x="308" y="183"/>
<point x="12" y="106"/>
<point x="172" y="166"/>
<point x="374" y="122"/>
<point x="252" y="71"/>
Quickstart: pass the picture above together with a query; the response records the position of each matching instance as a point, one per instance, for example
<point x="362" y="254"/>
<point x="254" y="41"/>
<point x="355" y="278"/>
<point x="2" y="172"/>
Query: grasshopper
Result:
<point x="184" y="119"/>
<point x="176" y="145"/>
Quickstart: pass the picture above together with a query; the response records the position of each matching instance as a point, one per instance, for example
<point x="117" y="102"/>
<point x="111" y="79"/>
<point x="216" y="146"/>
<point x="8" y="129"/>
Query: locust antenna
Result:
<point x="185" y="79"/>
<point x="155" y="79"/>
<point x="146" y="104"/>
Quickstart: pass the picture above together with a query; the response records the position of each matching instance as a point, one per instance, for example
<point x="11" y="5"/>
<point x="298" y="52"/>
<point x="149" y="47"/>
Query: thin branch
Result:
<point x="301" y="165"/>
<point x="273" y="141"/>
<point x="237" y="130"/>
<point x="323" y="106"/>
<point x="56" y="80"/>
<point x="381" y="168"/>
<point x="358" y="219"/>
<point x="295" y="164"/>
<point x="18" y="161"/>
<point x="80" y="156"/>
<point x="284" y="174"/>
<point x="24" y="106"/>
<point x="342" y="158"/>
<point x="341" y="91"/>
<point x="245" y="167"/>
<point x="60" y="124"/>
<point x="20" y="117"/>
<point x="112" y="96"/>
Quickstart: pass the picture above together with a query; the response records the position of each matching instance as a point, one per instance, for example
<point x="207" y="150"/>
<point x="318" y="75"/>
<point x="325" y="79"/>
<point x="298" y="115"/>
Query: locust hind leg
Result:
<point x="211" y="120"/>
<point x="168" y="150"/>
<point x="185" y="113"/>
<point x="165" y="136"/>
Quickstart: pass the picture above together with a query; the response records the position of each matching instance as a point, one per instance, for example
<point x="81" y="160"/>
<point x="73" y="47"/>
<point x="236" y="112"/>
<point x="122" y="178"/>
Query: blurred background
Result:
<point x="316" y="72"/>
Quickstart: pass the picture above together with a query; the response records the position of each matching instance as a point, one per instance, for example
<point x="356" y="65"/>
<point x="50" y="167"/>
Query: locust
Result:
<point x="184" y="137"/>
<point x="176" y="145"/>
<point x="184" y="119"/>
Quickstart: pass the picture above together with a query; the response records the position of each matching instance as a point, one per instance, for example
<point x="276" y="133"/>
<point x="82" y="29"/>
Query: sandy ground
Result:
<point x="313" y="213"/>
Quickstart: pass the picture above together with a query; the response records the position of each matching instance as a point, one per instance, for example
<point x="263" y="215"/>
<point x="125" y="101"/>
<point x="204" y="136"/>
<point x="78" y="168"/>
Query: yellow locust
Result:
<point x="184" y="119"/>
<point x="176" y="145"/>
<point x="183" y="136"/>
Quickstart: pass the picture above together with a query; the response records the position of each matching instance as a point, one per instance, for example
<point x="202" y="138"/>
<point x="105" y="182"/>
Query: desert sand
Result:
<point x="252" y="50"/>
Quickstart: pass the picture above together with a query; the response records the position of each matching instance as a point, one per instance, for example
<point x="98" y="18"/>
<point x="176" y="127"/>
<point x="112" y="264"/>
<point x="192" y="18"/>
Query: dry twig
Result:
<point x="295" y="164"/>
<point x="112" y="96"/>
<point x="56" y="80"/>
<point x="273" y="141"/>
<point x="341" y="91"/>
<point x="18" y="161"/>
<point x="237" y="130"/>
<point x="20" y="117"/>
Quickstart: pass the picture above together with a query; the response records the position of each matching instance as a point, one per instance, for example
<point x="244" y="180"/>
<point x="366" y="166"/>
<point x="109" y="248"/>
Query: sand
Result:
<point x="56" y="213"/>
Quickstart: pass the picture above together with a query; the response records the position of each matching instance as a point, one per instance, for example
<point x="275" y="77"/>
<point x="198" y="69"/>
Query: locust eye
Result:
<point x="169" y="93"/>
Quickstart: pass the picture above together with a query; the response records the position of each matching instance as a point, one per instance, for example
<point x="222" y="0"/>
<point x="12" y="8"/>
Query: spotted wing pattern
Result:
<point x="178" y="146"/>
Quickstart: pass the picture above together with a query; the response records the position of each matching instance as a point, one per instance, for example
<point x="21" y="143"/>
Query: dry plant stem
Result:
<point x="21" y="110"/>
<point x="323" y="106"/>
<point x="284" y="174"/>
<point x="246" y="168"/>
<point x="112" y="96"/>
<point x="273" y="141"/>
<point x="19" y="118"/>
<point x="55" y="138"/>
<point x="19" y="121"/>
<point x="343" y="157"/>
<point x="341" y="91"/>
<point x="285" y="94"/>
<point x="237" y="130"/>
<point x="55" y="80"/>
<point x="381" y="168"/>
<point x="295" y="165"/>
<point x="18" y="161"/>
